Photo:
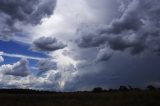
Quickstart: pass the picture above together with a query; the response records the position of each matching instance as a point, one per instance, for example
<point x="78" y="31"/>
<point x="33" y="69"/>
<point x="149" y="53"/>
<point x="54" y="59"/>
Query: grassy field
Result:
<point x="131" y="98"/>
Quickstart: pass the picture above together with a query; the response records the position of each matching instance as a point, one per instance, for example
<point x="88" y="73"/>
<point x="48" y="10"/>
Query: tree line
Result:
<point x="94" y="90"/>
<point x="125" y="88"/>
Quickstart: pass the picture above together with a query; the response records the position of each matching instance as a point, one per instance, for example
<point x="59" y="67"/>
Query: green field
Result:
<point x="131" y="98"/>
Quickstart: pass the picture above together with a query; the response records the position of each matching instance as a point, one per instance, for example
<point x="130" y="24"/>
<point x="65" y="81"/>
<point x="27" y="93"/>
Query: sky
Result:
<point x="71" y="45"/>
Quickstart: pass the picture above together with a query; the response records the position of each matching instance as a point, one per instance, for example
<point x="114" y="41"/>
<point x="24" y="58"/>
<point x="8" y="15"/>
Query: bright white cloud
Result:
<point x="1" y="58"/>
<point x="18" y="75"/>
<point x="66" y="67"/>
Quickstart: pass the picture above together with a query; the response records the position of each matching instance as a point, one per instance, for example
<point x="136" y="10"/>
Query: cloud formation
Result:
<point x="116" y="43"/>
<point x="137" y="29"/>
<point x="47" y="44"/>
<point x="17" y="69"/>
<point x="18" y="75"/>
<point x="104" y="54"/>
<point x="45" y="65"/>
<point x="22" y="12"/>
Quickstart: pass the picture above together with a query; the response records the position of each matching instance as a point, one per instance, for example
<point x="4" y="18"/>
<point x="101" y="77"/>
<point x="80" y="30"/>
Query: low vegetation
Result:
<point x="124" y="96"/>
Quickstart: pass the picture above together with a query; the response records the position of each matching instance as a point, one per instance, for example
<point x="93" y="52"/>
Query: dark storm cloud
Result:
<point x="48" y="44"/>
<point x="104" y="54"/>
<point x="130" y="20"/>
<point x="17" y="69"/>
<point x="29" y="11"/>
<point x="137" y="29"/>
<point x="23" y="11"/>
<point x="90" y="36"/>
<point x="122" y="69"/>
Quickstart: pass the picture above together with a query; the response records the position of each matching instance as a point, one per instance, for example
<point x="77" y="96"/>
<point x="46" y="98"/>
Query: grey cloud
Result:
<point x="122" y="69"/>
<point x="136" y="30"/>
<point x="46" y="65"/>
<point x="29" y="11"/>
<point x="104" y="54"/>
<point x="130" y="20"/>
<point x="22" y="11"/>
<point x="121" y="43"/>
<point x="47" y="44"/>
<point x="90" y="41"/>
<point x="17" y="69"/>
<point x="90" y="36"/>
<point x="6" y="31"/>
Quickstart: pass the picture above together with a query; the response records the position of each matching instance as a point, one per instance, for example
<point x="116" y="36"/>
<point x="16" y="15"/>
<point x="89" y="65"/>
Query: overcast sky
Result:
<point x="72" y="45"/>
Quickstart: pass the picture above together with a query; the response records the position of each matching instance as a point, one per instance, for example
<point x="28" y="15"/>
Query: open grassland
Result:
<point x="130" y="98"/>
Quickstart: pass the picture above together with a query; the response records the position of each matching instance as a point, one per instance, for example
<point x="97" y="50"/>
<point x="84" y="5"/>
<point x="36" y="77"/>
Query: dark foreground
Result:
<point x="130" y="98"/>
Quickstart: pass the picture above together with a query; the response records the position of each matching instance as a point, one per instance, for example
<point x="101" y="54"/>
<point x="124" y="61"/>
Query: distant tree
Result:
<point x="123" y="88"/>
<point x="97" y="90"/>
<point x="130" y="87"/>
<point x="112" y="90"/>
<point x="24" y="91"/>
<point x="136" y="89"/>
<point x="151" y="87"/>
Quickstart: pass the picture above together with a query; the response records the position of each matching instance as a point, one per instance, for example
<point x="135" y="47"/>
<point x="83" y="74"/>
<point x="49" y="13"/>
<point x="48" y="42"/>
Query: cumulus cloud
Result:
<point x="17" y="69"/>
<point x="18" y="75"/>
<point x="137" y="29"/>
<point x="47" y="44"/>
<point x="24" y="12"/>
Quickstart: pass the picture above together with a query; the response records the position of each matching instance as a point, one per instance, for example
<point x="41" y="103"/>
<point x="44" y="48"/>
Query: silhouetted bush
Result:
<point x="123" y="88"/>
<point x="97" y="90"/>
<point x="151" y="87"/>
<point x="130" y="88"/>
<point x="112" y="90"/>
